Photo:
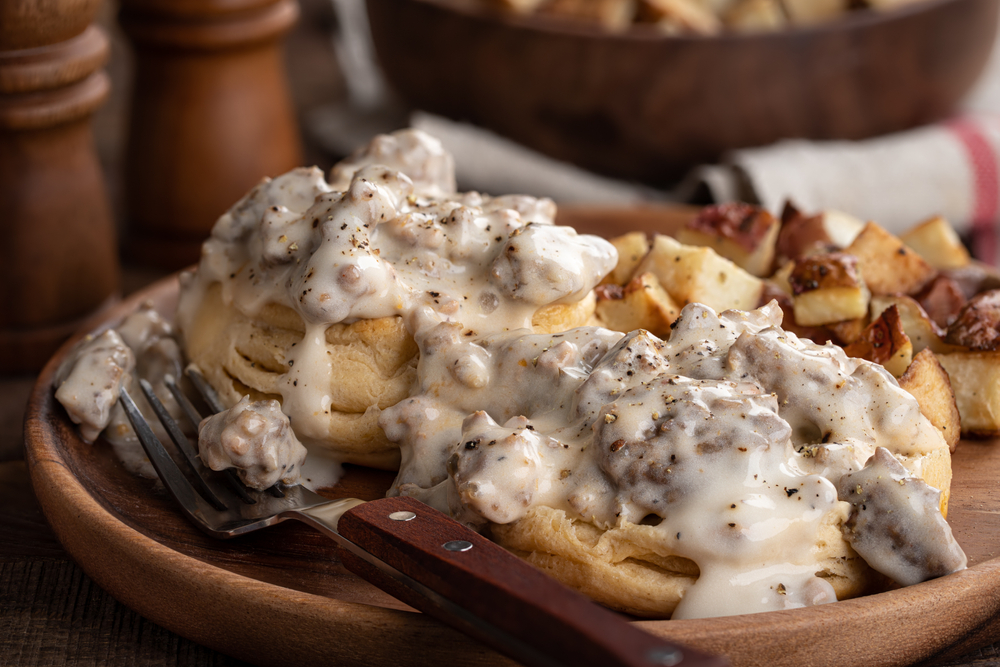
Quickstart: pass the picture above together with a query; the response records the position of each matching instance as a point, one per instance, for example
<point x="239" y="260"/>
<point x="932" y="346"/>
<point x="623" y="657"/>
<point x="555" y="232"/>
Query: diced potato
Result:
<point x="919" y="328"/>
<point x="684" y="15"/>
<point x="802" y="235"/>
<point x="886" y="264"/>
<point x="756" y="15"/>
<point x="929" y="383"/>
<point x="780" y="278"/>
<point x="942" y="299"/>
<point x="644" y="304"/>
<point x="884" y="342"/>
<point x="977" y="325"/>
<point x="690" y="274"/>
<point x="807" y="12"/>
<point x="975" y="379"/>
<point x="612" y="14"/>
<point x="937" y="242"/>
<point x="848" y="331"/>
<point x="742" y="233"/>
<point x="631" y="247"/>
<point x="827" y="289"/>
<point x="842" y="228"/>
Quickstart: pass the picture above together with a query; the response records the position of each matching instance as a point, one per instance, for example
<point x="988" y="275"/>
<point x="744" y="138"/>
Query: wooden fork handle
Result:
<point x="507" y="603"/>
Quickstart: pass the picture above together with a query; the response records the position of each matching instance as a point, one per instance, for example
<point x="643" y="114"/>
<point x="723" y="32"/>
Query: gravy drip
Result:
<point x="378" y="242"/>
<point x="729" y="438"/>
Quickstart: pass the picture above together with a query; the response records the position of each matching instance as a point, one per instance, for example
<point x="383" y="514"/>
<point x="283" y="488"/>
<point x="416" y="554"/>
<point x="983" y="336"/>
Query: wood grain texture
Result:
<point x="59" y="258"/>
<point x="211" y="115"/>
<point x="646" y="106"/>
<point x="283" y="595"/>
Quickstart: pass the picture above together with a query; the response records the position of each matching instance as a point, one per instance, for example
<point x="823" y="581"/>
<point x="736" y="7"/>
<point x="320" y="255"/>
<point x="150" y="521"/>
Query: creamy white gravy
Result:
<point x="730" y="437"/>
<point x="257" y="439"/>
<point x="90" y="381"/>
<point x="381" y="244"/>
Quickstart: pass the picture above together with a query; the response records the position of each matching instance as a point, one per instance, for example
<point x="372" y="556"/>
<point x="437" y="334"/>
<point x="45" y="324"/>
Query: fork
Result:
<point x="415" y="553"/>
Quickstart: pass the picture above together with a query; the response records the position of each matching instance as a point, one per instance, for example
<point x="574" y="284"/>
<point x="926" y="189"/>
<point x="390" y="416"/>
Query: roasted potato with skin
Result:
<point x="920" y="329"/>
<point x="884" y="342"/>
<point x="680" y="16"/>
<point x="886" y="264"/>
<point x="642" y="304"/>
<point x="848" y="331"/>
<point x="828" y="288"/>
<point x="929" y="383"/>
<point x="977" y="325"/>
<point x="691" y="274"/>
<point x="938" y="243"/>
<point x="742" y="233"/>
<point x="631" y="247"/>
<point x="942" y="299"/>
<point x="802" y="235"/>
<point x="756" y="15"/>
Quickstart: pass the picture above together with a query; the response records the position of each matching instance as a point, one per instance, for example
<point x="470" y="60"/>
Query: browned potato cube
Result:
<point x="756" y="15"/>
<point x="802" y="235"/>
<point x="848" y="331"/>
<point x="827" y="289"/>
<point x="919" y="328"/>
<point x="886" y="264"/>
<point x="631" y="247"/>
<point x="692" y="274"/>
<point x="680" y="16"/>
<point x="975" y="378"/>
<point x="742" y="233"/>
<point x="929" y="383"/>
<point x="642" y="304"/>
<point x="937" y="242"/>
<point x="977" y="325"/>
<point x="884" y="342"/>
<point x="942" y="299"/>
<point x="807" y="12"/>
<point x="612" y="14"/>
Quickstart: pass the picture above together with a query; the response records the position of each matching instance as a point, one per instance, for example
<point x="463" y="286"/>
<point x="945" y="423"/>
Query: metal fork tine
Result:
<point x="165" y="467"/>
<point x="183" y="445"/>
<point x="204" y="388"/>
<point x="186" y="406"/>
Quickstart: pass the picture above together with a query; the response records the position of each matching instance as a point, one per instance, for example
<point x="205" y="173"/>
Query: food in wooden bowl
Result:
<point x="732" y="468"/>
<point x="699" y="16"/>
<point x="642" y="105"/>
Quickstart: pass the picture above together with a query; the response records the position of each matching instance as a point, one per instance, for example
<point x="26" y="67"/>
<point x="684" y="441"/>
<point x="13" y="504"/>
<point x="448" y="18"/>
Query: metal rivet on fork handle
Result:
<point x="457" y="545"/>
<point x="403" y="516"/>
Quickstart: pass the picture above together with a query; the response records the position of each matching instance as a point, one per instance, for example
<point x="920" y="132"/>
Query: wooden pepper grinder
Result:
<point x="58" y="255"/>
<point x="211" y="115"/>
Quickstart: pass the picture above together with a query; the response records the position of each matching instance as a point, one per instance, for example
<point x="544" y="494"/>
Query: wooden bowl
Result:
<point x="281" y="596"/>
<point x="641" y="105"/>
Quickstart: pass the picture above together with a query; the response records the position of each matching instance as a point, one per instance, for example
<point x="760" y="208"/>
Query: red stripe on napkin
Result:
<point x="983" y="162"/>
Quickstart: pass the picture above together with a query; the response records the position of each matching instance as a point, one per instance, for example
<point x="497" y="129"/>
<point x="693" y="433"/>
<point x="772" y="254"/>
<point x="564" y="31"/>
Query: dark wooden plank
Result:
<point x="52" y="614"/>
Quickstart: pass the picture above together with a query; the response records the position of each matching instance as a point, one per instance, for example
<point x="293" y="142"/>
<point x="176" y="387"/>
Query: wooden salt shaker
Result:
<point x="211" y="115"/>
<point x="58" y="255"/>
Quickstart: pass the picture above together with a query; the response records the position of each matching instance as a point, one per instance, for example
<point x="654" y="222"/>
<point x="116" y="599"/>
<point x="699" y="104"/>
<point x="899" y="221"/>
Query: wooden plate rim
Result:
<point x="267" y="624"/>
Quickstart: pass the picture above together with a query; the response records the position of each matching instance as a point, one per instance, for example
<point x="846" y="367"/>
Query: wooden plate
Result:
<point x="282" y="597"/>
